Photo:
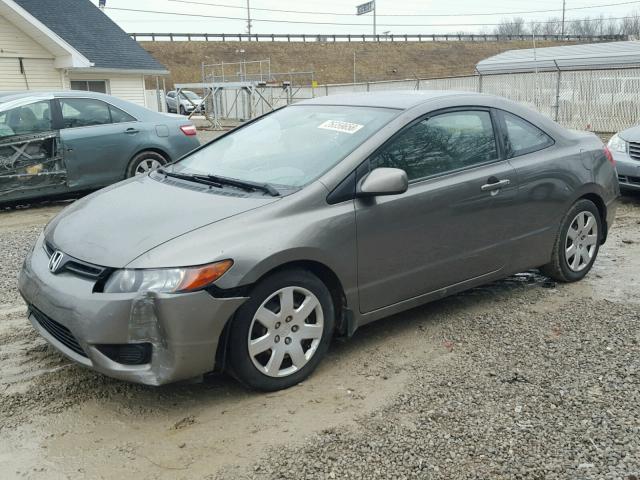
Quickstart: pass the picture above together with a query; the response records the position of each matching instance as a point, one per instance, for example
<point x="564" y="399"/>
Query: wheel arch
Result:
<point x="344" y="318"/>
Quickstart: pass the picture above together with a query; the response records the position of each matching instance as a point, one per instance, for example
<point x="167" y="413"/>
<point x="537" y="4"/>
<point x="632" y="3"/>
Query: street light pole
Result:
<point x="563" y="10"/>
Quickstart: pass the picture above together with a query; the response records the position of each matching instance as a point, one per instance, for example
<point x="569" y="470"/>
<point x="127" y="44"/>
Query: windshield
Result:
<point x="290" y="147"/>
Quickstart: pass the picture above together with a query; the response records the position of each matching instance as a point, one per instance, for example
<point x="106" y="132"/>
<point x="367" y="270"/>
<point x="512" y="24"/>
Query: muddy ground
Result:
<point x="449" y="390"/>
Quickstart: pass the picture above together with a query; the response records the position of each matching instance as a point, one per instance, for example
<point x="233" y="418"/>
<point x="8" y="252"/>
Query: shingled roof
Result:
<point x="87" y="29"/>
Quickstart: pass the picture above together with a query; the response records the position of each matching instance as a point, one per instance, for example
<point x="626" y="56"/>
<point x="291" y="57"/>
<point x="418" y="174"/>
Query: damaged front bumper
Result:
<point x="182" y="329"/>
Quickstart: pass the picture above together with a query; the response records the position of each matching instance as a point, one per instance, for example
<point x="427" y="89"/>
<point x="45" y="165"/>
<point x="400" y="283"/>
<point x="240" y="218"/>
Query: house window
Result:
<point x="99" y="86"/>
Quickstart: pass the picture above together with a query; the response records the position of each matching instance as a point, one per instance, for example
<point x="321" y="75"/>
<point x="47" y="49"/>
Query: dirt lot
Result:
<point x="519" y="379"/>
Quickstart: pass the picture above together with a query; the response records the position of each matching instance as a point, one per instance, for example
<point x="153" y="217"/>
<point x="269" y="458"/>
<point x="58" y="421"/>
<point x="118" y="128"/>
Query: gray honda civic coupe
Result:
<point x="252" y="252"/>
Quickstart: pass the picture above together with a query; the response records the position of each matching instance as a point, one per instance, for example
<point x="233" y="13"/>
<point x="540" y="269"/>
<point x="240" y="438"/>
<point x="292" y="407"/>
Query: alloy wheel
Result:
<point x="285" y="331"/>
<point x="581" y="241"/>
<point x="147" y="165"/>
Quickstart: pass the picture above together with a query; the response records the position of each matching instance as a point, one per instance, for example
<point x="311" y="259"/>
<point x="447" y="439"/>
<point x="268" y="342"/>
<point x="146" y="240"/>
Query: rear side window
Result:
<point x="84" y="112"/>
<point x="441" y="144"/>
<point x="523" y="137"/>
<point x="118" y="116"/>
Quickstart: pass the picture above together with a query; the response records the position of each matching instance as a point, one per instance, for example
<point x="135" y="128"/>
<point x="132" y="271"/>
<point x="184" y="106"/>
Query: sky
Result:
<point x="422" y="16"/>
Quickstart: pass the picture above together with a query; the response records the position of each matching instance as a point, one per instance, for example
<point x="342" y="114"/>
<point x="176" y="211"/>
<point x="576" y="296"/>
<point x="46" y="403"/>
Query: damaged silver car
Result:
<point x="57" y="144"/>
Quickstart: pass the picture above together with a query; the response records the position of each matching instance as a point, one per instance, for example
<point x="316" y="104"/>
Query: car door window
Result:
<point x="84" y="112"/>
<point x="27" y="119"/>
<point x="523" y="137"/>
<point x="440" y="144"/>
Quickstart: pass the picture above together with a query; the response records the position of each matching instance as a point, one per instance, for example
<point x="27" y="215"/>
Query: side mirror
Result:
<point x="383" y="181"/>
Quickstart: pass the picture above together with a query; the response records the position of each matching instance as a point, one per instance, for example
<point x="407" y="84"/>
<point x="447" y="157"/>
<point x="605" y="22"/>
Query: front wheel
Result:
<point x="279" y="336"/>
<point x="577" y="243"/>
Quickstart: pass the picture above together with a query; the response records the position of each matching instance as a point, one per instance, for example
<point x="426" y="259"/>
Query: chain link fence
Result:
<point x="603" y="101"/>
<point x="596" y="100"/>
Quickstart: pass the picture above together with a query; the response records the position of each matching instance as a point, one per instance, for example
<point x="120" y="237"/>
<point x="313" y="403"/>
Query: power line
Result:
<point x="194" y="2"/>
<point x="353" y="24"/>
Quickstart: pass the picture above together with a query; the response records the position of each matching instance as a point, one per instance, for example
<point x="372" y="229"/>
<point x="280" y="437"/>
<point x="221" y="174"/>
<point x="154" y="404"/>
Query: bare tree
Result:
<point x="631" y="24"/>
<point x="515" y="26"/>
<point x="535" y="28"/>
<point x="551" y="26"/>
<point x="587" y="27"/>
<point x="611" y="26"/>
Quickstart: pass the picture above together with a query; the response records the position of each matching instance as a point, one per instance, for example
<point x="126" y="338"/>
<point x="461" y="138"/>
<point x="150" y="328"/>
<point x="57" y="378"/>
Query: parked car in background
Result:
<point x="243" y="255"/>
<point x="183" y="102"/>
<point x="59" y="143"/>
<point x="625" y="147"/>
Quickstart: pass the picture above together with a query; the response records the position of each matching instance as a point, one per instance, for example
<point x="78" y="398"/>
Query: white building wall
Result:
<point x="126" y="87"/>
<point x="37" y="72"/>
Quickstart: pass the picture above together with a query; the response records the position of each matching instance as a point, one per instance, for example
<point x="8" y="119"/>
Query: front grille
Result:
<point x="78" y="267"/>
<point x="634" y="150"/>
<point x="57" y="331"/>
<point x="628" y="179"/>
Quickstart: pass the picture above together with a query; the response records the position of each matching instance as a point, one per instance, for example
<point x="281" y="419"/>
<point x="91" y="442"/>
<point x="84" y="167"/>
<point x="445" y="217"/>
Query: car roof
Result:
<point x="6" y="96"/>
<point x="398" y="99"/>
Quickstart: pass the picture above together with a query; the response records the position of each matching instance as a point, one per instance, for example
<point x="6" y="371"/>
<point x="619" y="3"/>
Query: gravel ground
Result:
<point x="518" y="379"/>
<point x="524" y="394"/>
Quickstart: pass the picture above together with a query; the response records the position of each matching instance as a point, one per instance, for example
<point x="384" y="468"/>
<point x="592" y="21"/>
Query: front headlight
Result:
<point x="166" y="280"/>
<point x="617" y="144"/>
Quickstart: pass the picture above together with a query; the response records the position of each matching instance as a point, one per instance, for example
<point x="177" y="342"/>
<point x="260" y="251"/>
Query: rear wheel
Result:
<point x="144" y="162"/>
<point x="279" y="336"/>
<point x="577" y="243"/>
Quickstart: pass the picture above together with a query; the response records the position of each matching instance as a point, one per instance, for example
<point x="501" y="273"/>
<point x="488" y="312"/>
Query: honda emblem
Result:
<point x="56" y="261"/>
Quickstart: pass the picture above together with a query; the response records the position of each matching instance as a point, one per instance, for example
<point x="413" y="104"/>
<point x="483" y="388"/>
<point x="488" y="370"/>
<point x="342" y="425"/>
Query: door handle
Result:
<point x="497" y="185"/>
<point x="131" y="131"/>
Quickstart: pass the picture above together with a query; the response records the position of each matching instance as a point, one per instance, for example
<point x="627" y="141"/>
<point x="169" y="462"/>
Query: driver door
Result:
<point x="451" y="225"/>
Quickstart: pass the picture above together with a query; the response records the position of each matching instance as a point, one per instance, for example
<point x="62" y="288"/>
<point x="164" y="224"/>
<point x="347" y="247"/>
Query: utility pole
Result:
<point x="248" y="18"/>
<point x="564" y="4"/>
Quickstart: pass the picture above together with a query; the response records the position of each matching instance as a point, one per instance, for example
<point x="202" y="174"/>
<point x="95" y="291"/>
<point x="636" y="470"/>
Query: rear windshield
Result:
<point x="290" y="147"/>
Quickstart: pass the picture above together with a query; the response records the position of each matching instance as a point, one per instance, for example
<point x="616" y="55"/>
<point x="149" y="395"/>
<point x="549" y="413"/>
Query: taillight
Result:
<point x="189" y="130"/>
<point x="607" y="153"/>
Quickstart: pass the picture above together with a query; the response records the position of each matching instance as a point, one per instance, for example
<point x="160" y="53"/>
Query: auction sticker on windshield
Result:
<point x="340" y="126"/>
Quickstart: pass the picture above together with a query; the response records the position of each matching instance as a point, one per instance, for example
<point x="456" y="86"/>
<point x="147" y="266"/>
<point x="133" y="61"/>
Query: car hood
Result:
<point x="631" y="134"/>
<point x="117" y="224"/>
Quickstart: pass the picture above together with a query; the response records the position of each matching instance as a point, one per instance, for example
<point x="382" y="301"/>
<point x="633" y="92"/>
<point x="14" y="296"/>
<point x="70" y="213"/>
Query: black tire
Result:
<point x="558" y="268"/>
<point x="146" y="156"/>
<point x="182" y="110"/>
<point x="240" y="363"/>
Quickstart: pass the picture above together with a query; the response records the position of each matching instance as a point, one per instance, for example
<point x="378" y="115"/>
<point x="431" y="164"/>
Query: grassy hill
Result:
<point x="333" y="62"/>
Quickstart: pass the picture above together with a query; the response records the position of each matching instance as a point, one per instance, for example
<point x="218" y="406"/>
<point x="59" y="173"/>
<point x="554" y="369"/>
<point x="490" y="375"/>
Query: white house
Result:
<point x="70" y="44"/>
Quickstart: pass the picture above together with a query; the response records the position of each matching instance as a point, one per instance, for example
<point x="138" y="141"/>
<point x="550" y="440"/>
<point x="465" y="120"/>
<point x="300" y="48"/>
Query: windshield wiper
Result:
<point x="217" y="181"/>
<point x="191" y="178"/>
<point x="244" y="184"/>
